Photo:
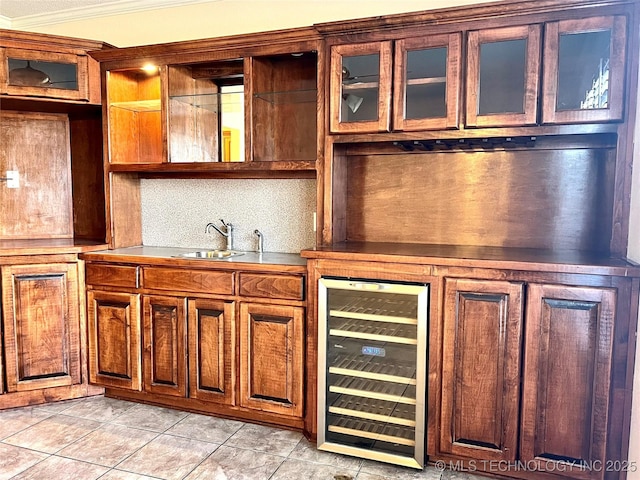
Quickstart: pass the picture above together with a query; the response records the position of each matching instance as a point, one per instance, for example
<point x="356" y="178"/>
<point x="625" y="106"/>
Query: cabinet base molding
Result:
<point x="207" y="408"/>
<point x="47" y="395"/>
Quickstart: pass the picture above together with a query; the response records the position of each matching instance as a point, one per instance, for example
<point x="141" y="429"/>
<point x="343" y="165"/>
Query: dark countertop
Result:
<point x="557" y="261"/>
<point x="48" y="246"/>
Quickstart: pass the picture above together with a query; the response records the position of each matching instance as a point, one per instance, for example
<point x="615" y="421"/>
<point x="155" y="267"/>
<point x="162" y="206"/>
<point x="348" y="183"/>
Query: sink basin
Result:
<point x="211" y="254"/>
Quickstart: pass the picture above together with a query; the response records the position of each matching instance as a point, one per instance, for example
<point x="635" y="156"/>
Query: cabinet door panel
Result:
<point x="567" y="368"/>
<point x="360" y="86"/>
<point x="114" y="340"/>
<point x="271" y="358"/>
<point x="212" y="351"/>
<point x="481" y="368"/>
<point x="503" y="72"/>
<point x="164" y="336"/>
<point x="41" y="326"/>
<point x="584" y="70"/>
<point x="427" y="82"/>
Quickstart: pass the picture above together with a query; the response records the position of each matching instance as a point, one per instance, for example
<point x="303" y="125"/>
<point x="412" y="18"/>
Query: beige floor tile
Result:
<point x="291" y="468"/>
<point x="308" y="452"/>
<point x="14" y="460"/>
<point x="229" y="463"/>
<point x="149" y="417"/>
<point x="58" y="468"/>
<point x="265" y="439"/>
<point x="99" y="408"/>
<point x="205" y="428"/>
<point x="53" y="433"/>
<point x="13" y="421"/>
<point x="57" y="407"/>
<point x="108" y="445"/>
<point x="168" y="457"/>
<point x="120" y="475"/>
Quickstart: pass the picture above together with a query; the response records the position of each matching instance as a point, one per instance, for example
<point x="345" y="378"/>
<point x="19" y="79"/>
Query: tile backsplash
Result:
<point x="175" y="213"/>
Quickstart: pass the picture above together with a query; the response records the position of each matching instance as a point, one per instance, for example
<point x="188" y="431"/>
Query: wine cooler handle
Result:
<point x="368" y="286"/>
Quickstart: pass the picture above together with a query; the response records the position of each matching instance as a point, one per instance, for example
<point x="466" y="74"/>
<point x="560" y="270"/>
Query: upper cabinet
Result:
<point x="503" y="68"/>
<point x="48" y="67"/>
<point x="243" y="109"/>
<point x="550" y="69"/>
<point x="584" y="70"/>
<point x="416" y="88"/>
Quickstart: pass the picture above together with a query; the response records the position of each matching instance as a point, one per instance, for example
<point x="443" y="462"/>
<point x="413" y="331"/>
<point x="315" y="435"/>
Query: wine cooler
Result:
<point x="372" y="345"/>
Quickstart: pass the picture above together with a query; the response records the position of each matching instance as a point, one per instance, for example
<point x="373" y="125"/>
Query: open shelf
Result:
<point x="210" y="101"/>
<point x="138" y="105"/>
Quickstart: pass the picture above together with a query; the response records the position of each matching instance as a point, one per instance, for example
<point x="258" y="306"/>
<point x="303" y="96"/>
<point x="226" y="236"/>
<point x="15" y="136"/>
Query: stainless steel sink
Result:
<point x="211" y="254"/>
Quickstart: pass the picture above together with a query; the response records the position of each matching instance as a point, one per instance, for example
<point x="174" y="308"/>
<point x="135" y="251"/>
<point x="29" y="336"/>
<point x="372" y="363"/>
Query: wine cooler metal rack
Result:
<point x="372" y="369"/>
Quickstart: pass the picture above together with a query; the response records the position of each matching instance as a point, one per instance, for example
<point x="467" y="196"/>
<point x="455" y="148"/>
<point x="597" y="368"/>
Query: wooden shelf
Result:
<point x="289" y="169"/>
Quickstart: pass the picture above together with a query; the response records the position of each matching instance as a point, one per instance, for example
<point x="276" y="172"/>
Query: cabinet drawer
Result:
<point x="272" y="286"/>
<point x="112" y="275"/>
<point x="200" y="281"/>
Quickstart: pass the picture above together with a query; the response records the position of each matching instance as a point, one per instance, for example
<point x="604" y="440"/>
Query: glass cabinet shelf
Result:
<point x="138" y="105"/>
<point x="288" y="97"/>
<point x="426" y="81"/>
<point x="214" y="102"/>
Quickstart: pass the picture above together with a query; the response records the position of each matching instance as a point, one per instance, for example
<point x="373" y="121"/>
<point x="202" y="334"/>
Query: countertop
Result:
<point x="168" y="256"/>
<point x="48" y="246"/>
<point x="557" y="261"/>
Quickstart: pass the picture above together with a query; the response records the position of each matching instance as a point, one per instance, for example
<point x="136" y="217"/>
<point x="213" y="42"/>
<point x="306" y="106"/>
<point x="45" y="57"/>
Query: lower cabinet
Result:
<point x="41" y="323"/>
<point x="212" y="350"/>
<point x="272" y="358"/>
<point x="228" y="354"/>
<point x="565" y="337"/>
<point x="567" y="372"/>
<point x="481" y="368"/>
<point x="165" y="345"/>
<point x="114" y="339"/>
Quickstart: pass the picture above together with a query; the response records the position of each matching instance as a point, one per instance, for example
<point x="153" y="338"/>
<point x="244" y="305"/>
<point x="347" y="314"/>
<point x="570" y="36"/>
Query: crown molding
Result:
<point x="82" y="13"/>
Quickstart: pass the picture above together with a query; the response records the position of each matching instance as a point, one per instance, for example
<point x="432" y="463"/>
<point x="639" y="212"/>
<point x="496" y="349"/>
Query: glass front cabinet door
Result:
<point x="503" y="66"/>
<point x="43" y="74"/>
<point x="361" y="87"/>
<point x="584" y="70"/>
<point x="426" y="82"/>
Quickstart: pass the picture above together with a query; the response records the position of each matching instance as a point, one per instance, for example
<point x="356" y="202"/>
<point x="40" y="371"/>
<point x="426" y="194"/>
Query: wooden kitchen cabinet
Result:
<point x="482" y="341"/>
<point x="115" y="353"/>
<point x="360" y="87"/>
<point x="583" y="78"/>
<point x="134" y="107"/>
<point x="41" y="322"/>
<point x="567" y="377"/>
<point x="165" y="345"/>
<point x="49" y="67"/>
<point x="426" y="82"/>
<point x="272" y="358"/>
<point x="503" y="76"/>
<point x="212" y="350"/>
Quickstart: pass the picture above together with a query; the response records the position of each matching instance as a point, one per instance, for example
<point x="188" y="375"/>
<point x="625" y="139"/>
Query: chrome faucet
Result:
<point x="260" y="240"/>
<point x="227" y="233"/>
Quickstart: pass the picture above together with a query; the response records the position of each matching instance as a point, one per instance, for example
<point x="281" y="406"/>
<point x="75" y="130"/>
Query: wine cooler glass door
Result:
<point x="372" y="369"/>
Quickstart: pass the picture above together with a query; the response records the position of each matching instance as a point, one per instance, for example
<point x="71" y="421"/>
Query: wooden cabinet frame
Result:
<point x="114" y="320"/>
<point x="165" y="345"/>
<point x="617" y="55"/>
<point x="382" y="123"/>
<point x="481" y="380"/>
<point x="452" y="42"/>
<point x="475" y="38"/>
<point x="40" y="314"/>
<point x="212" y="350"/>
<point x="82" y="71"/>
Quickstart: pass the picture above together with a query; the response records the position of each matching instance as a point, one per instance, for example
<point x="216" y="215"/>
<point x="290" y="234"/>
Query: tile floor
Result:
<point x="108" y="439"/>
